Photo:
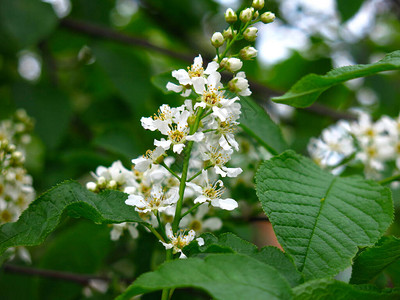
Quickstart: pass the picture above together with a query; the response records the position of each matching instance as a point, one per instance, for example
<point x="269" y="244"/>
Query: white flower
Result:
<point x="217" y="39"/>
<point x="160" y="121"/>
<point x="240" y="85"/>
<point x="180" y="240"/>
<point x="194" y="74"/>
<point x="335" y="144"/>
<point x="179" y="134"/>
<point x="197" y="222"/>
<point x="212" y="193"/>
<point x="118" y="229"/>
<point x="218" y="157"/>
<point x="144" y="162"/>
<point x="114" y="177"/>
<point x="154" y="201"/>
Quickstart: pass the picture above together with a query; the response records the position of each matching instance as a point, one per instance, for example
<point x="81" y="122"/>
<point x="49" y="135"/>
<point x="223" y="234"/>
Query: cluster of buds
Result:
<point x="236" y="31"/>
<point x="16" y="191"/>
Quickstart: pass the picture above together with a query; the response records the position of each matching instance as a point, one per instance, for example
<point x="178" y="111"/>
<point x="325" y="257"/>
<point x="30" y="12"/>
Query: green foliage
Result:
<point x="26" y="22"/>
<point x="94" y="244"/>
<point x="306" y="91"/>
<point x="329" y="289"/>
<point x="375" y="259"/>
<point x="348" y="9"/>
<point x="230" y="243"/>
<point x="223" y="276"/>
<point x="258" y="124"/>
<point x="318" y="218"/>
<point x="44" y="214"/>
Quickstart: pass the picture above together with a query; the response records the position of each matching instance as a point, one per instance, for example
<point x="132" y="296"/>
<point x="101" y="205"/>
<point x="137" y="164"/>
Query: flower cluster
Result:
<point x="16" y="191"/>
<point x="197" y="139"/>
<point x="373" y="144"/>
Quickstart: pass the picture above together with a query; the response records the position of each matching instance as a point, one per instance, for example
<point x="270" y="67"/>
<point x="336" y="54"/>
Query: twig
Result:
<point x="49" y="61"/>
<point x="78" y="278"/>
<point x="109" y="34"/>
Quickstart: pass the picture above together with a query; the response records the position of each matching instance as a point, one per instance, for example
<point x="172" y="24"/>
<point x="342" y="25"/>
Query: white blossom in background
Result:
<point x="16" y="190"/>
<point x="372" y="143"/>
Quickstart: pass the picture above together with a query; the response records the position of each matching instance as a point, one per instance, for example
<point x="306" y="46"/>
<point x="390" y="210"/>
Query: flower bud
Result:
<point x="239" y="85"/>
<point x="217" y="39"/>
<point x="101" y="180"/>
<point x="246" y="15"/>
<point x="248" y="53"/>
<point x="112" y="184"/>
<point x="91" y="186"/>
<point x="230" y="16"/>
<point x="267" y="17"/>
<point x="223" y="62"/>
<point x="233" y="64"/>
<point x="228" y="34"/>
<point x="258" y="4"/>
<point x="255" y="15"/>
<point x="250" y="34"/>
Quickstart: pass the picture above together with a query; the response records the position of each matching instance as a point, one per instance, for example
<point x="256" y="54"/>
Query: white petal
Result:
<point x="174" y="87"/>
<point x="195" y="187"/>
<point x="200" y="241"/>
<point x="182" y="76"/>
<point x="224" y="143"/>
<point x="232" y="172"/>
<point x="178" y="148"/>
<point x="228" y="204"/>
<point x="221" y="113"/>
<point x="200" y="104"/>
<point x="197" y="137"/>
<point x="141" y="164"/>
<point x="199" y="84"/>
<point x="148" y="123"/>
<point x="198" y="61"/>
<point x="212" y="224"/>
<point x="168" y="231"/>
<point x="201" y="199"/>
<point x="163" y="143"/>
<point x="219" y="171"/>
<point x="211" y="67"/>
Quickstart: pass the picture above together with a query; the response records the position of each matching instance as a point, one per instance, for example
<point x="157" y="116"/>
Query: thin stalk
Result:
<point x="199" y="172"/>
<point x="161" y="225"/>
<point x="185" y="168"/>
<point x="390" y="179"/>
<point x="167" y="293"/>
<point x="170" y="170"/>
<point x="191" y="209"/>
<point x="152" y="229"/>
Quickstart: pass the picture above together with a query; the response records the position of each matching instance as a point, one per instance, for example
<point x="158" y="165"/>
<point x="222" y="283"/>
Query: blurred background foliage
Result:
<point x="83" y="69"/>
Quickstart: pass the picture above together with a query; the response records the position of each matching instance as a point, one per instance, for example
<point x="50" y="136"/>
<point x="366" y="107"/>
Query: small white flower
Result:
<point x="118" y="229"/>
<point x="198" y="223"/>
<point x="217" y="39"/>
<point x="218" y="157"/>
<point x="143" y="163"/>
<point x="154" y="201"/>
<point x="212" y="193"/>
<point x="180" y="240"/>
<point x="195" y="73"/>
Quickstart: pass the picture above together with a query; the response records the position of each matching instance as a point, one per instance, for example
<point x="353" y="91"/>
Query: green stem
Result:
<point x="390" y="179"/>
<point x="170" y="170"/>
<point x="161" y="225"/>
<point x="191" y="209"/>
<point x="152" y="229"/>
<point x="185" y="168"/>
<point x="199" y="172"/>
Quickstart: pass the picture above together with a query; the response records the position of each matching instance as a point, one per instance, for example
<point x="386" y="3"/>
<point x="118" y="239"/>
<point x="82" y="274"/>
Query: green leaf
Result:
<point x="160" y="81"/>
<point x="375" y="259"/>
<point x="274" y="257"/>
<point x="318" y="218"/>
<point x="348" y="9"/>
<point x="128" y="72"/>
<point x="44" y="214"/>
<point x="330" y="289"/>
<point x="27" y="21"/>
<point x="230" y="243"/>
<point x="306" y="91"/>
<point x="223" y="276"/>
<point x="257" y="123"/>
<point x="93" y="242"/>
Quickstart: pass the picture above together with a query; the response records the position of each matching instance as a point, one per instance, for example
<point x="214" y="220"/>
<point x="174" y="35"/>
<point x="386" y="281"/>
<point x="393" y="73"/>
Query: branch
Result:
<point x="110" y="34"/>
<point x="259" y="89"/>
<point x="78" y="278"/>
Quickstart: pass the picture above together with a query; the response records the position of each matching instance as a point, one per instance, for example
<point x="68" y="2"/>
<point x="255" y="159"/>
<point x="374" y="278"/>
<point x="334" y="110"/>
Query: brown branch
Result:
<point x="259" y="89"/>
<point x="110" y="34"/>
<point x="67" y="276"/>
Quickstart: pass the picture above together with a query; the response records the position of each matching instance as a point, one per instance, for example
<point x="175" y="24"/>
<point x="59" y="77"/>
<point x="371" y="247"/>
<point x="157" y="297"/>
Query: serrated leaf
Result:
<point x="348" y="9"/>
<point x="230" y="243"/>
<point x="257" y="123"/>
<point x="223" y="276"/>
<point x="330" y="289"/>
<point x="44" y="214"/>
<point x="321" y="219"/>
<point x="306" y="91"/>
<point x="375" y="259"/>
